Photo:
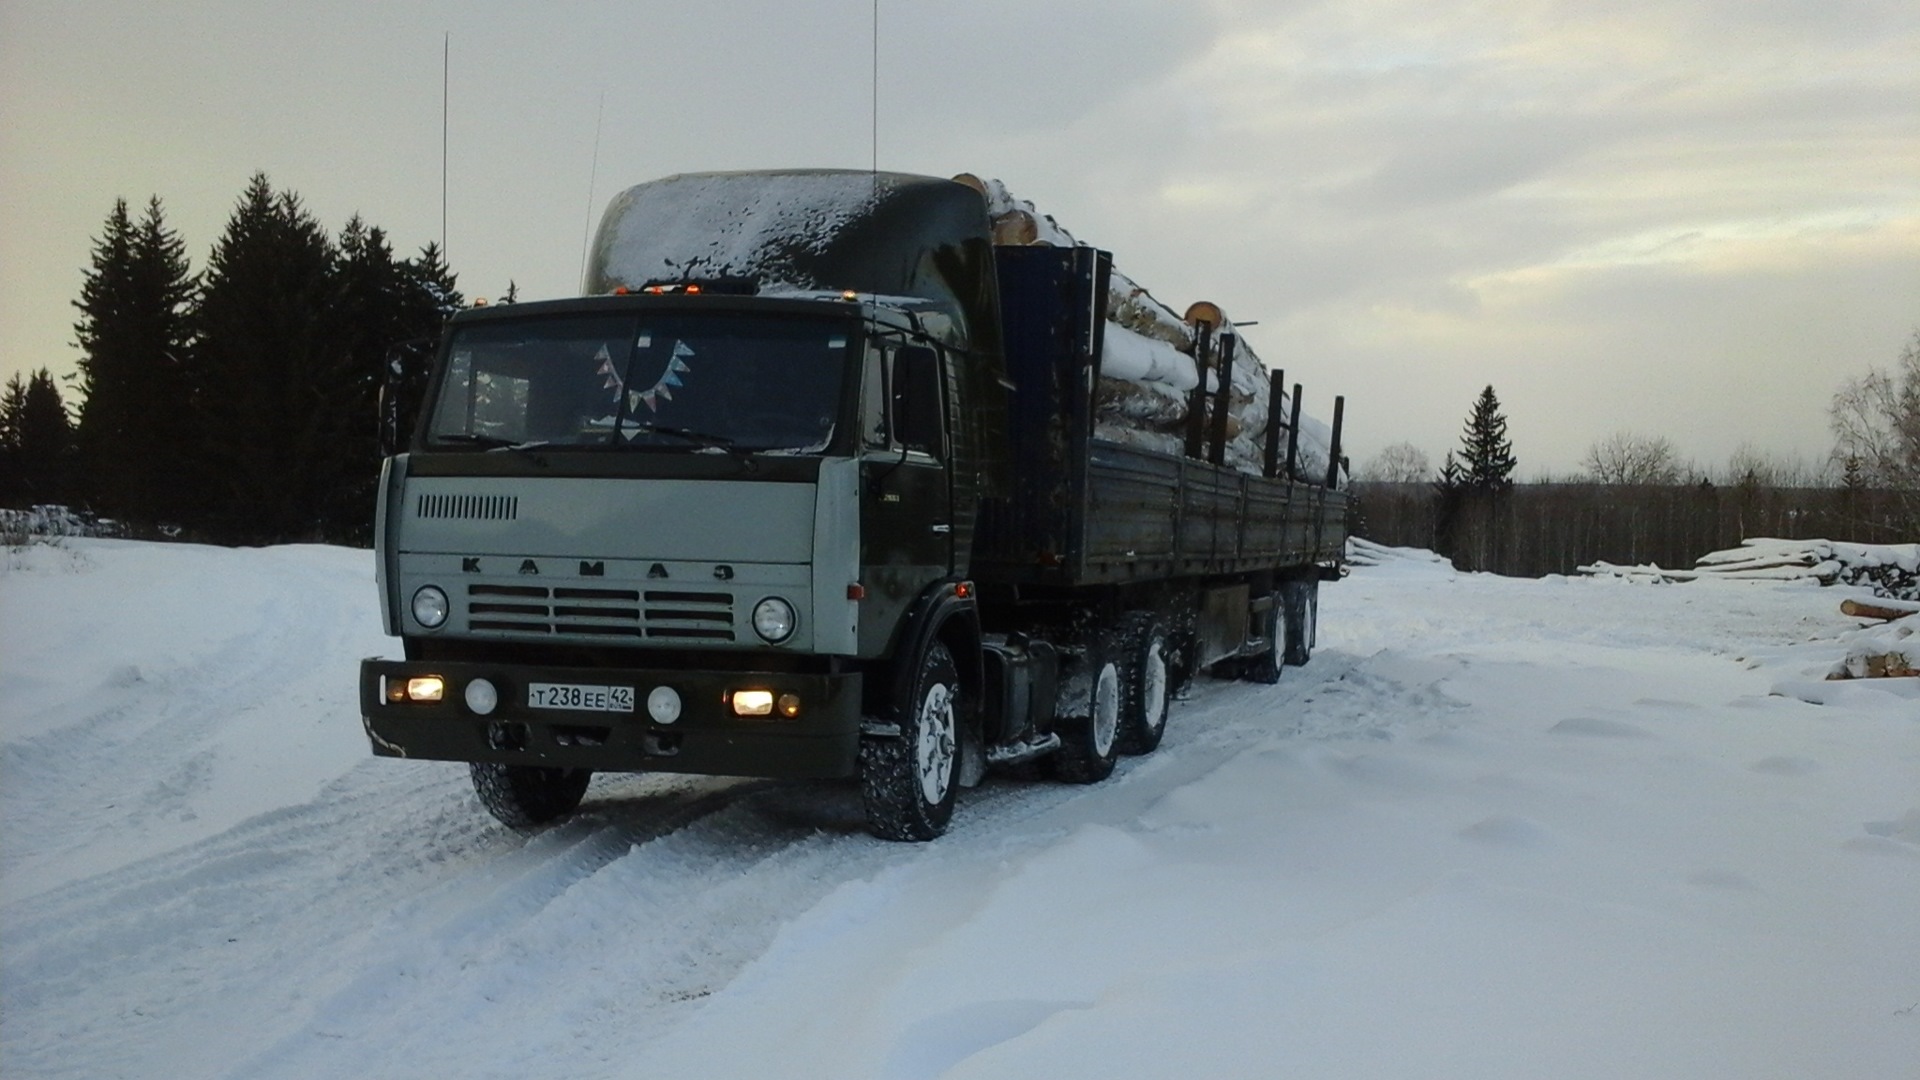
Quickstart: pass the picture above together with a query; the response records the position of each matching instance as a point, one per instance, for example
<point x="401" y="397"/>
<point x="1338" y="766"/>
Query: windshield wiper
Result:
<point x="719" y="442"/>
<point x="493" y="443"/>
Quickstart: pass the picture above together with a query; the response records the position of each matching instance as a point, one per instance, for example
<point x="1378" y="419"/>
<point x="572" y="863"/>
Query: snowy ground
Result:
<point x="1496" y="829"/>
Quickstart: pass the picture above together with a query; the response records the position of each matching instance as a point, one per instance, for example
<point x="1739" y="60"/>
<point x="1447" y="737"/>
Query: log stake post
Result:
<point x="1197" y="401"/>
<point x="1222" y="405"/>
<point x="1333" y="452"/>
<point x="1293" y="436"/>
<point x="1276" y="394"/>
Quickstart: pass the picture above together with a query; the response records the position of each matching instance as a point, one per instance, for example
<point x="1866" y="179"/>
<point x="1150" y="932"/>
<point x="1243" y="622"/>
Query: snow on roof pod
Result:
<point x="805" y="230"/>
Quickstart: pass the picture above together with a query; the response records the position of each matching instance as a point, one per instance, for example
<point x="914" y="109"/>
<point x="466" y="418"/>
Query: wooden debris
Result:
<point x="1879" y="609"/>
<point x="1877" y="666"/>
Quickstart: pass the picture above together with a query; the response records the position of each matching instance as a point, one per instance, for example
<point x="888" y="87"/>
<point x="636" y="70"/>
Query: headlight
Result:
<point x="430" y="607"/>
<point x="773" y="619"/>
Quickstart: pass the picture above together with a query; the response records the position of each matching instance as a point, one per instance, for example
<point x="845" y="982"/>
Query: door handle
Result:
<point x="943" y="529"/>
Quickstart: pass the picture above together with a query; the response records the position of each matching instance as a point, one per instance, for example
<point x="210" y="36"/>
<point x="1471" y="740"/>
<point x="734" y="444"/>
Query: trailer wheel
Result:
<point x="1301" y="607"/>
<point x="908" y="783"/>
<point x="1264" y="668"/>
<point x="1146" y="686"/>
<point x="523" y="796"/>
<point x="1090" y="744"/>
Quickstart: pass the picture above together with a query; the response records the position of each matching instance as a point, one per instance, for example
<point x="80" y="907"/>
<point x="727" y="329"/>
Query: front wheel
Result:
<point x="908" y="783"/>
<point x="523" y="796"/>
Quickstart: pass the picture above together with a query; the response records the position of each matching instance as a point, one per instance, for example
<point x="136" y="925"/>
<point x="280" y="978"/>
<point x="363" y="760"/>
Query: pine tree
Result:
<point x="13" y="406"/>
<point x="1471" y="511"/>
<point x="36" y="441"/>
<point x="391" y="309"/>
<point x="1485" y="448"/>
<point x="269" y="363"/>
<point x="430" y="298"/>
<point x="134" y="433"/>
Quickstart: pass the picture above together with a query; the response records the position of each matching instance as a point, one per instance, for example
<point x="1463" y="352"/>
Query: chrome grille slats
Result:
<point x="455" y="507"/>
<point x="600" y="612"/>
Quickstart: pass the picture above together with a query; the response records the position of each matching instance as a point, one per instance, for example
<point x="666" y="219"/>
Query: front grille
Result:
<point x="468" y="507"/>
<point x="599" y="612"/>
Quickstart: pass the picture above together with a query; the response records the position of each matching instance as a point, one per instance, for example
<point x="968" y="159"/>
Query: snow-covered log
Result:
<point x="1147" y="366"/>
<point x="1884" y="610"/>
<point x="1890" y="570"/>
<point x="1889" y="651"/>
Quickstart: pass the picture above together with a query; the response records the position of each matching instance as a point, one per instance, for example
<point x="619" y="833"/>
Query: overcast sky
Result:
<point x="1690" y="218"/>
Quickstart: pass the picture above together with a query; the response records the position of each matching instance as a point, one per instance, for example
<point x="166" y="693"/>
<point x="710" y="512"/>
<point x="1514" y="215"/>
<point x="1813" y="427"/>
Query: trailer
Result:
<point x="807" y="485"/>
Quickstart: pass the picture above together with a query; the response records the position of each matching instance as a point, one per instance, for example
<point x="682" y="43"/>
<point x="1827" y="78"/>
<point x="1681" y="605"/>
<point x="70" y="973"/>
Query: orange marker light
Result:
<point x="963" y="589"/>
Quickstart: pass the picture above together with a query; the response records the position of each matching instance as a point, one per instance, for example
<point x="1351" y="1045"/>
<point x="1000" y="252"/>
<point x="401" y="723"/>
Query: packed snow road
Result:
<point x="1496" y="828"/>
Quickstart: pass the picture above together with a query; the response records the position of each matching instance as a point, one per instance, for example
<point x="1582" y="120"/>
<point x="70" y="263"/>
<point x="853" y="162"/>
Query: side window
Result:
<point x="900" y="401"/>
<point x="918" y="420"/>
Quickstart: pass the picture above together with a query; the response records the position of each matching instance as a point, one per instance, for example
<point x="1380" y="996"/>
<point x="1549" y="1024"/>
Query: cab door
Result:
<point x="906" y="524"/>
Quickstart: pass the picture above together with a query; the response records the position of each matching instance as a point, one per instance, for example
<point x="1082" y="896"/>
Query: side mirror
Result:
<point x="917" y="420"/>
<point x="401" y="380"/>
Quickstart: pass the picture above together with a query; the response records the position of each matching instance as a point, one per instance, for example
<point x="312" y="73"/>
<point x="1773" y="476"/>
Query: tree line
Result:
<point x="237" y="404"/>
<point x="1637" y="502"/>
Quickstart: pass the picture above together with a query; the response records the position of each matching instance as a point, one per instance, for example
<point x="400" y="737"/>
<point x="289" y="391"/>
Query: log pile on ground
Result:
<point x="1363" y="552"/>
<point x="1147" y="365"/>
<point x="1890" y="570"/>
<point x="1888" y="650"/>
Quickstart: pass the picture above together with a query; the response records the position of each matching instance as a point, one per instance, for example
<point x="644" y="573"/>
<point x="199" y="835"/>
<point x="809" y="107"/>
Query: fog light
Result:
<point x="426" y="688"/>
<point x="753" y="703"/>
<point x="664" y="704"/>
<point x="789" y="705"/>
<point x="482" y="698"/>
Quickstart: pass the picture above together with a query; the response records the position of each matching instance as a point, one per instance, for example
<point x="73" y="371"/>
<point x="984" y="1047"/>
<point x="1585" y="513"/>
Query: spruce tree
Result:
<point x="271" y="376"/>
<point x="134" y="433"/>
<point x="1471" y="513"/>
<point x="1485" y="450"/>
<point x="36" y="441"/>
<point x="13" y="407"/>
<point x="431" y="297"/>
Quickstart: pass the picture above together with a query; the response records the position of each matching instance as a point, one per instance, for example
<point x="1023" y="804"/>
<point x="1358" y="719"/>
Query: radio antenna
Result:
<point x="876" y="99"/>
<point x="593" y="174"/>
<point x="446" y="57"/>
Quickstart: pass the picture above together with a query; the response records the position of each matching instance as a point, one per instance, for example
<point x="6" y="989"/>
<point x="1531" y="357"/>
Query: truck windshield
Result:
<point x="670" y="382"/>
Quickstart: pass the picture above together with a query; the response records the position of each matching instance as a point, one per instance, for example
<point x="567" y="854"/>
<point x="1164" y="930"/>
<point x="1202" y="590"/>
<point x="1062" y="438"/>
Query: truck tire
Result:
<point x="523" y="796"/>
<point x="1090" y="743"/>
<point x="1264" y="668"/>
<point x="1301" y="609"/>
<point x="1146" y="685"/>
<point x="908" y="783"/>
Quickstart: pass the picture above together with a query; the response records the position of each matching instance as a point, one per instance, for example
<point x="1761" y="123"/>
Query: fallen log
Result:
<point x="1887" y="610"/>
<point x="1877" y="666"/>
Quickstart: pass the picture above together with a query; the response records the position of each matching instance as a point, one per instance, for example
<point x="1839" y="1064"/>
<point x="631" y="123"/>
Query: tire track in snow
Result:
<point x="140" y="751"/>
<point x="389" y="920"/>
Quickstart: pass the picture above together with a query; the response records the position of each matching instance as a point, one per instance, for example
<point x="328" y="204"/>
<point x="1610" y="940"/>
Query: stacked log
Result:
<point x="1148" y="371"/>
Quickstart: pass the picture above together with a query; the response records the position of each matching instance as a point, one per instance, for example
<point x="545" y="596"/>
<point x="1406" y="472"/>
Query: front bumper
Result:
<point x="823" y="742"/>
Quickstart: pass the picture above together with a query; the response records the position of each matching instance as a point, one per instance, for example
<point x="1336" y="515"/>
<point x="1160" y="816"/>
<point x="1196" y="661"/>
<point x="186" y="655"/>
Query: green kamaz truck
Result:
<point x="807" y="486"/>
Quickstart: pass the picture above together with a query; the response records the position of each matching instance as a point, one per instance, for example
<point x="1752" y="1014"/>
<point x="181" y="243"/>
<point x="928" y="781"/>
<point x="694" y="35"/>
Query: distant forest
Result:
<point x="234" y="405"/>
<point x="1532" y="530"/>
<point x="1636" y="502"/>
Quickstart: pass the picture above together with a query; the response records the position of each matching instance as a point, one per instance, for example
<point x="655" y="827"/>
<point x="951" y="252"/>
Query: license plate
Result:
<point x="545" y="695"/>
